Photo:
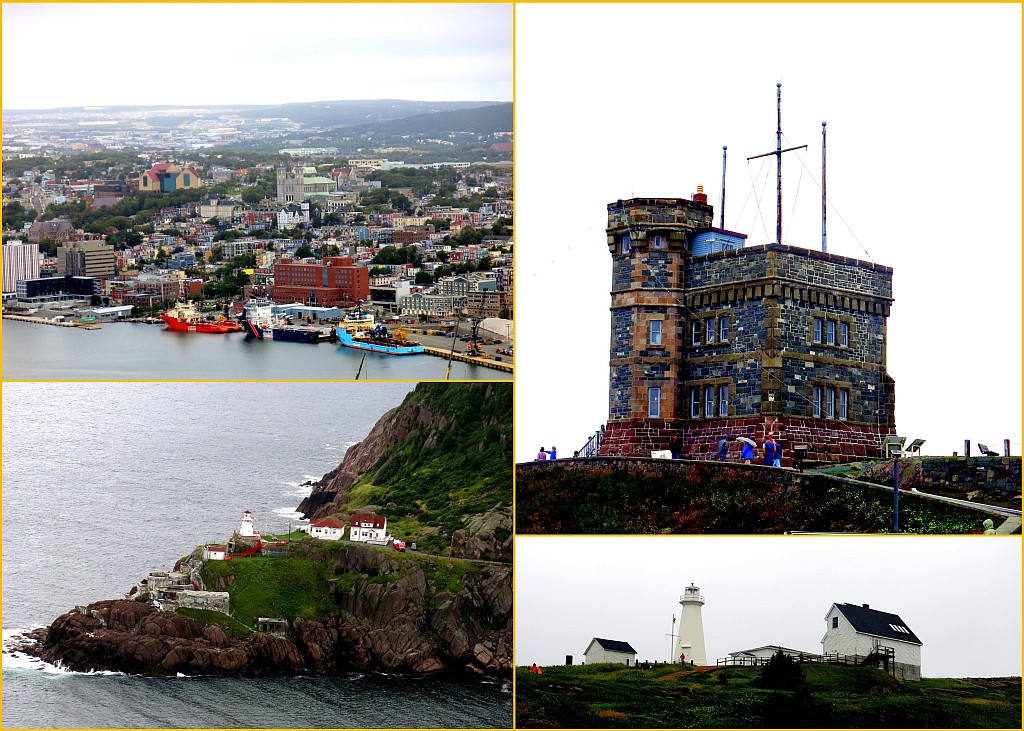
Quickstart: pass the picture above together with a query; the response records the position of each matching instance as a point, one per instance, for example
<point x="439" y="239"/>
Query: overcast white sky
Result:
<point x="923" y="104"/>
<point x="961" y="596"/>
<point x="253" y="53"/>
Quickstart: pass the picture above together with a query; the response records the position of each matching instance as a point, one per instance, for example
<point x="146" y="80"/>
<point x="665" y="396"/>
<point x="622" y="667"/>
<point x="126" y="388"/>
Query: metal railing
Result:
<point x="593" y="446"/>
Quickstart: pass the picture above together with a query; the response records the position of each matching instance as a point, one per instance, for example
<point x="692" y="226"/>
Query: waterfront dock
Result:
<point x="57" y="323"/>
<point x="486" y="362"/>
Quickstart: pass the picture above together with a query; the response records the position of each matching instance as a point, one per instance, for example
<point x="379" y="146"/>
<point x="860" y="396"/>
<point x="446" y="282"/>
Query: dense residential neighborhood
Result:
<point x="92" y="222"/>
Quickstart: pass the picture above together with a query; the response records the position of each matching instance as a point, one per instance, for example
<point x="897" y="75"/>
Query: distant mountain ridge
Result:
<point x="337" y="113"/>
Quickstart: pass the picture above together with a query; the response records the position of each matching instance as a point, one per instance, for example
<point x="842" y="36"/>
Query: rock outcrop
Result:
<point x="390" y="617"/>
<point x="439" y="434"/>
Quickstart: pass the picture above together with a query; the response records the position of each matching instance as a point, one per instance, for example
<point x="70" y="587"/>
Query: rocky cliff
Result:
<point x="394" y="614"/>
<point x="441" y="462"/>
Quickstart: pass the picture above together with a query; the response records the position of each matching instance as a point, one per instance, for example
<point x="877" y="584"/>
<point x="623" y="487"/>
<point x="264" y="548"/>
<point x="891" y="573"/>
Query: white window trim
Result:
<point x="816" y="402"/>
<point x="695" y="332"/>
<point x="723" y="329"/>
<point x="709" y="330"/>
<point x="723" y="400"/>
<point x="654" y="402"/>
<point x="654" y="338"/>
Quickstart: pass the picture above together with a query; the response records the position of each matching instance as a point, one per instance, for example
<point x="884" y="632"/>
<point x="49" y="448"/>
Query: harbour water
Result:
<point x="105" y="482"/>
<point x="136" y="351"/>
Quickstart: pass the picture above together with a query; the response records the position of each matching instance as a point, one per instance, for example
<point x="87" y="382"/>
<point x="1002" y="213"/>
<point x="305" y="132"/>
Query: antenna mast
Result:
<point x="721" y="208"/>
<point x="778" y="163"/>
<point x="824" y="247"/>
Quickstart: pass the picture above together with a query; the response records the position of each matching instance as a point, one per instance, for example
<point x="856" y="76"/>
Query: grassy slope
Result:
<point x="457" y="464"/>
<point x="302" y="585"/>
<point x="716" y="499"/>
<point x="613" y="696"/>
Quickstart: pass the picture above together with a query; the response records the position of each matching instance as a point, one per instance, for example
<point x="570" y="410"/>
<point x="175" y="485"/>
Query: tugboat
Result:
<point x="184" y="317"/>
<point x="258" y="316"/>
<point x="379" y="340"/>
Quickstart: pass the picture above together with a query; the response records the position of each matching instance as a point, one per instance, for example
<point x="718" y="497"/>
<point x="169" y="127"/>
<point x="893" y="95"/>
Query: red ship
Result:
<point x="185" y="317"/>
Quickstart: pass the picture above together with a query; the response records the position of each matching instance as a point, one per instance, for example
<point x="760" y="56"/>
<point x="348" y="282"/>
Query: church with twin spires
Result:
<point x="712" y="337"/>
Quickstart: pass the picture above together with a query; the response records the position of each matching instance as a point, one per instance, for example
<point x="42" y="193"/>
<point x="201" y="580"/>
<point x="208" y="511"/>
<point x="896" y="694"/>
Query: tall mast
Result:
<point x="721" y="208"/>
<point x="778" y="163"/>
<point x="824" y="246"/>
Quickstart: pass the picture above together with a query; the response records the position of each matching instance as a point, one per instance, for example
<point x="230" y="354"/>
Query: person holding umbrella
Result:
<point x="747" y="455"/>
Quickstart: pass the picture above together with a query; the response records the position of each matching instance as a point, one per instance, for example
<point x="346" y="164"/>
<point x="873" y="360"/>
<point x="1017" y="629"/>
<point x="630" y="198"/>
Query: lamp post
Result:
<point x="896" y="493"/>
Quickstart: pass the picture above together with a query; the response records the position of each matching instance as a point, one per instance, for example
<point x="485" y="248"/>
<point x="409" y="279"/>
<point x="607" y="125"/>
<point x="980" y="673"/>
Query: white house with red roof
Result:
<point x="214" y="553"/>
<point x="368" y="528"/>
<point x="328" y="529"/>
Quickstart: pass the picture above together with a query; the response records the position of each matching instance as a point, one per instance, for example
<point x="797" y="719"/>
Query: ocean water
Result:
<point x="136" y="351"/>
<point x="105" y="482"/>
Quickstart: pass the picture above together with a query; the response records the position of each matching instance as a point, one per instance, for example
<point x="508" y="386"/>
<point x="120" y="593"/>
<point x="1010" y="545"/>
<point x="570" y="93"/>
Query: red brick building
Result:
<point x="335" y="282"/>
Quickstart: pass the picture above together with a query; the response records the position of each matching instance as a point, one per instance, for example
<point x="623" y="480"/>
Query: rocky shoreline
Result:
<point x="378" y="627"/>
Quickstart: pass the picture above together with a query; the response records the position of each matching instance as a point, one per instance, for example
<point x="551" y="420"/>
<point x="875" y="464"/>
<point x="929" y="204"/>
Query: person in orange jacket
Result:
<point x="535" y="669"/>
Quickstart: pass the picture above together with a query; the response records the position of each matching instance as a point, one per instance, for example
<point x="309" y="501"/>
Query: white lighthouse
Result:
<point x="690" y="643"/>
<point x="247" y="528"/>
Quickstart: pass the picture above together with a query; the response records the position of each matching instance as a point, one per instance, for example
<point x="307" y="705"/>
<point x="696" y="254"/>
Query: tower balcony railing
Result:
<point x="692" y="598"/>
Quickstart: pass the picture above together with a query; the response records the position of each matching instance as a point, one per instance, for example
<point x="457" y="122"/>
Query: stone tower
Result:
<point x="712" y="337"/>
<point x="690" y="642"/>
<point x="290" y="184"/>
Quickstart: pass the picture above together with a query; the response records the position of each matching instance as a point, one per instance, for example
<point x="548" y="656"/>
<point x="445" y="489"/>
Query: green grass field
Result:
<point x="834" y="696"/>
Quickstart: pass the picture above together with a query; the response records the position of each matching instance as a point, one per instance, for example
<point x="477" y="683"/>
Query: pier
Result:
<point x="486" y="362"/>
<point x="57" y="323"/>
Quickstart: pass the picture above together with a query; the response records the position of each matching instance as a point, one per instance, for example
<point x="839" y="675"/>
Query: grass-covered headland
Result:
<point x="828" y="696"/>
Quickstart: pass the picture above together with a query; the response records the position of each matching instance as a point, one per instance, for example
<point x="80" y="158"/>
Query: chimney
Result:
<point x="865" y="606"/>
<point x="700" y="196"/>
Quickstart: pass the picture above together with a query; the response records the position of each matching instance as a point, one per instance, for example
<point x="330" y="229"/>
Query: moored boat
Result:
<point x="300" y="334"/>
<point x="258" y="316"/>
<point x="184" y="317"/>
<point x="356" y="320"/>
<point x="379" y="340"/>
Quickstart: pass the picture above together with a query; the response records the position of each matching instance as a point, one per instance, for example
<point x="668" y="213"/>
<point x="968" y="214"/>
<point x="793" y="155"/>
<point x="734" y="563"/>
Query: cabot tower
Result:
<point x="711" y="337"/>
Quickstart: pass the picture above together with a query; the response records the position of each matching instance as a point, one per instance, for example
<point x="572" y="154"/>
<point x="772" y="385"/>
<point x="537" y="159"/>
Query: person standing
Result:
<point x="723" y="448"/>
<point x="542" y="455"/>
<point x="769" y="451"/>
<point x="748" y="453"/>
<point x="552" y="453"/>
<point x="777" y="462"/>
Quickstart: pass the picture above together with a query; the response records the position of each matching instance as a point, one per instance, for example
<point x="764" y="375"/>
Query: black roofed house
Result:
<point x="609" y="651"/>
<point x="857" y="629"/>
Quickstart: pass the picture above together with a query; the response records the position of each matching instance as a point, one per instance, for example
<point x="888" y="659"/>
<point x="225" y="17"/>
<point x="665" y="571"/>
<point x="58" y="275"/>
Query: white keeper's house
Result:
<point x="857" y="629"/>
<point x="328" y="529"/>
<point x="368" y="528"/>
<point x="600" y="650"/>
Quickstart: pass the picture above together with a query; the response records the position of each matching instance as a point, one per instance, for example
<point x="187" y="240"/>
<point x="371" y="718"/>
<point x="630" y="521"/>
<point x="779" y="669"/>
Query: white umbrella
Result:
<point x="749" y="441"/>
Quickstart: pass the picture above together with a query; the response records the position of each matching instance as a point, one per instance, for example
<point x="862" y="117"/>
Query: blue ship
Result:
<point x="378" y="340"/>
